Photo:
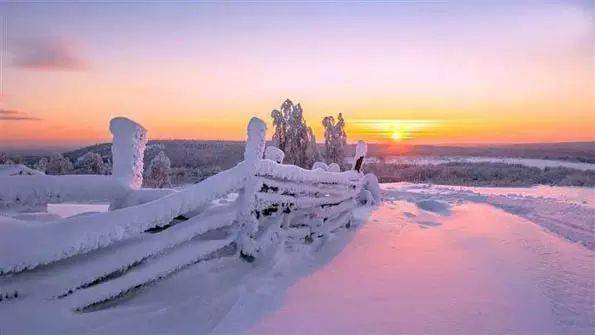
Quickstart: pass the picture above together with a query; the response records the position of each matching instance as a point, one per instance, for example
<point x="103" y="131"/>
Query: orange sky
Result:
<point x="499" y="72"/>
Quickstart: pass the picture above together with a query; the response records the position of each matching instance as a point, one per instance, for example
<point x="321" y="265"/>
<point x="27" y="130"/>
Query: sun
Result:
<point x="396" y="136"/>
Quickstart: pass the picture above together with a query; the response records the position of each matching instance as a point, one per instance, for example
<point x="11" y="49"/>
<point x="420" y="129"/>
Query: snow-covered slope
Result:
<point x="429" y="259"/>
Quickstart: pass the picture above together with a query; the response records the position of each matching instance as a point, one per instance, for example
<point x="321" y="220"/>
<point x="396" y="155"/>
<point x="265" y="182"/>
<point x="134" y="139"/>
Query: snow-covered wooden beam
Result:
<point x="128" y="151"/>
<point x="253" y="154"/>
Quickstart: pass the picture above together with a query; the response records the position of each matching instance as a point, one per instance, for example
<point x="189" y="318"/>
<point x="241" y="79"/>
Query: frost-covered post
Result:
<point x="246" y="216"/>
<point x="128" y="151"/>
<point x="360" y="154"/>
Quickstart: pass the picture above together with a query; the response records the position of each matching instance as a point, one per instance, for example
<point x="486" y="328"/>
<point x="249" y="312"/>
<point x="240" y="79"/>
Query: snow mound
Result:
<point x="275" y="154"/>
<point x="432" y="205"/>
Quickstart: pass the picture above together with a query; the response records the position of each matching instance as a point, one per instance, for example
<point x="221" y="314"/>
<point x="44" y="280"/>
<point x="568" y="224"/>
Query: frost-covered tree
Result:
<point x="4" y="159"/>
<point x="312" y="152"/>
<point x="42" y="164"/>
<point x="159" y="171"/>
<point x="293" y="136"/>
<point x="58" y="164"/>
<point x="90" y="163"/>
<point x="335" y="139"/>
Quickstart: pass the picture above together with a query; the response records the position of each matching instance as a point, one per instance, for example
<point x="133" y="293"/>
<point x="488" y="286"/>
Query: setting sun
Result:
<point x="396" y="136"/>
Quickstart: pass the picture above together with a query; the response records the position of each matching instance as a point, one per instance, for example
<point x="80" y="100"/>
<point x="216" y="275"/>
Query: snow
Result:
<point x="333" y="167"/>
<point x="273" y="153"/>
<point x="557" y="209"/>
<point x="41" y="189"/>
<point x="68" y="210"/>
<point x="428" y="259"/>
<point x="7" y="170"/>
<point x="477" y="271"/>
<point x="371" y="185"/>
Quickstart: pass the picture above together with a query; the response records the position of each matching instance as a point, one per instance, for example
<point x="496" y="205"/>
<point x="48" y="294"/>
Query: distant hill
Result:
<point x="225" y="154"/>
<point x="187" y="153"/>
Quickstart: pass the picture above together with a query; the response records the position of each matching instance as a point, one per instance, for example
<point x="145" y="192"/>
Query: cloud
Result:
<point x="48" y="53"/>
<point x="12" y="115"/>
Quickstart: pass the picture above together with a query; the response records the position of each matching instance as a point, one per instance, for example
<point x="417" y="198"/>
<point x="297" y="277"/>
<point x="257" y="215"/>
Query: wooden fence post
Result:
<point x="247" y="215"/>
<point x="360" y="155"/>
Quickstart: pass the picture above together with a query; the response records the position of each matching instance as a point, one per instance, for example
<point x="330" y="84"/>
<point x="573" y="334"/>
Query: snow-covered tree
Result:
<point x="4" y="159"/>
<point x="335" y="139"/>
<point x="58" y="164"/>
<point x="293" y="136"/>
<point x="312" y="152"/>
<point x="159" y="171"/>
<point x="42" y="164"/>
<point x="90" y="163"/>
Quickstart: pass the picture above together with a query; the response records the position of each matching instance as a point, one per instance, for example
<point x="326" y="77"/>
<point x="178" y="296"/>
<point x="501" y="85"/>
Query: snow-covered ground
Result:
<point x="429" y="259"/>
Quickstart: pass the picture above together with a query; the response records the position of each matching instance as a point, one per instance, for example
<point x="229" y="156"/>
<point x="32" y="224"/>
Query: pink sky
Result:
<point x="495" y="72"/>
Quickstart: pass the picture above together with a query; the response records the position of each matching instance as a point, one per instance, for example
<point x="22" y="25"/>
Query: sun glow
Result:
<point x="396" y="136"/>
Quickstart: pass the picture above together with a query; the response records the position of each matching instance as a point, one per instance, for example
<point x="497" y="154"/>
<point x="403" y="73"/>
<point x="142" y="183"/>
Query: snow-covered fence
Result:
<point x="318" y="201"/>
<point x="162" y="227"/>
<point x="129" y="139"/>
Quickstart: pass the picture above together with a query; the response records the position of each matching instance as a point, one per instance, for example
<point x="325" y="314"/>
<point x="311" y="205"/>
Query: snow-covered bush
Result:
<point x="4" y="158"/>
<point x="159" y="170"/>
<point x="41" y="164"/>
<point x="274" y="154"/>
<point x="335" y="139"/>
<point x="58" y="165"/>
<point x="293" y="136"/>
<point x="90" y="163"/>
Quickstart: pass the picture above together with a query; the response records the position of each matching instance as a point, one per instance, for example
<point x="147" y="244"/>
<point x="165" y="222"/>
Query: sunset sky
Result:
<point x="422" y="72"/>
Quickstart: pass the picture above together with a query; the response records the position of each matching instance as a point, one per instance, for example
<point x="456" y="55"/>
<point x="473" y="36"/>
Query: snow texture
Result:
<point x="480" y="269"/>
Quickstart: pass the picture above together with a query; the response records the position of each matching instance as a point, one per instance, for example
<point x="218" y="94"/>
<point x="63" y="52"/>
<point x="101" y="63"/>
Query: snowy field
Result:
<point x="436" y="160"/>
<point x="429" y="259"/>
